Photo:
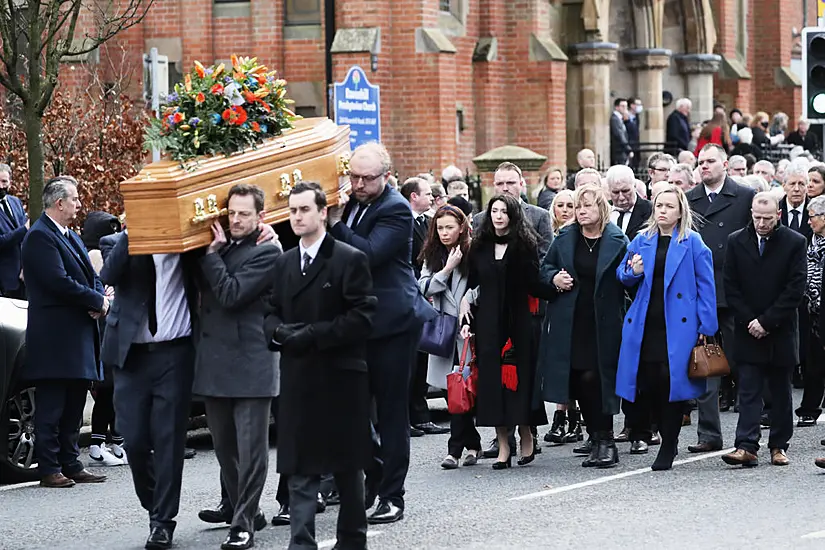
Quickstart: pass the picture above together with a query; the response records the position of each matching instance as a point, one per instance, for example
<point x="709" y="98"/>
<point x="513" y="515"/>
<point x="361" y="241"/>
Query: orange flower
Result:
<point x="217" y="89"/>
<point x="177" y="117"/>
<point x="200" y="98"/>
<point x="218" y="71"/>
<point x="256" y="126"/>
<point x="187" y="82"/>
<point x="235" y="115"/>
<point x="249" y="96"/>
<point x="199" y="69"/>
<point x="235" y="63"/>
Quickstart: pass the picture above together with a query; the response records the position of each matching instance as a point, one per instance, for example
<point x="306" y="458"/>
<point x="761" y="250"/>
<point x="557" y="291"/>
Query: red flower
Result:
<point x="200" y="98"/>
<point x="235" y="115"/>
<point x="256" y="126"/>
<point x="177" y="118"/>
<point x="217" y="89"/>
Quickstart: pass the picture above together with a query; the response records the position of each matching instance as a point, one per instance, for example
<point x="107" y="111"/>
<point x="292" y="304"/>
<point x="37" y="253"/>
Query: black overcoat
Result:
<point x="324" y="406"/>
<point x="768" y="288"/>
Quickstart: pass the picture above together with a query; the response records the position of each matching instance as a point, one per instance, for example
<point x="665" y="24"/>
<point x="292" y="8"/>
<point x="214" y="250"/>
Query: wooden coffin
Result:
<point x="169" y="209"/>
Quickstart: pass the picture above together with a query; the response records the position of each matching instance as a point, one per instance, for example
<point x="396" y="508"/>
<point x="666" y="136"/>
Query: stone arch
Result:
<point x="699" y="25"/>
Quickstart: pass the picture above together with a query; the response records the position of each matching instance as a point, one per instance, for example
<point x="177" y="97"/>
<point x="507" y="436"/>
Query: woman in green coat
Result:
<point x="581" y="350"/>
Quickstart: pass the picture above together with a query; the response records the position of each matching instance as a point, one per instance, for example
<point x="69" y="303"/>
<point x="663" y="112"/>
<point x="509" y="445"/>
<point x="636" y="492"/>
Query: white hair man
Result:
<point x="737" y="166"/>
<point x="687" y="157"/>
<point x="767" y="170"/>
<point x="677" y="134"/>
<point x="450" y="174"/>
<point x="630" y="212"/>
<point x="681" y="176"/>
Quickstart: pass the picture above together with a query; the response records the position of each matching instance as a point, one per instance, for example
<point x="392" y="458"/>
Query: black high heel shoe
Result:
<point x="527" y="459"/>
<point x="503" y="465"/>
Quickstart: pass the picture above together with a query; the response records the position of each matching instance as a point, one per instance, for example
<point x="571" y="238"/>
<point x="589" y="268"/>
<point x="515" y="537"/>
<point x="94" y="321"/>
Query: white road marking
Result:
<point x="614" y="477"/>
<point x="331" y="542"/>
<point x="815" y="535"/>
<point x="18" y="485"/>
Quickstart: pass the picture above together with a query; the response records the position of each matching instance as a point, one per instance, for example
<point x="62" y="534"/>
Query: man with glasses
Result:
<point x="379" y="222"/>
<point x="658" y="167"/>
<point x="726" y="207"/>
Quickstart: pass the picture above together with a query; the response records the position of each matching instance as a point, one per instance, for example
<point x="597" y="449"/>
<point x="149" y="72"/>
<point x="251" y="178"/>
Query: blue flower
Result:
<point x="171" y="98"/>
<point x="171" y="120"/>
<point x="264" y="128"/>
<point x="216" y="118"/>
<point x="227" y="79"/>
<point x="251" y="84"/>
<point x="194" y="121"/>
<point x="210" y="70"/>
<point x="245" y="125"/>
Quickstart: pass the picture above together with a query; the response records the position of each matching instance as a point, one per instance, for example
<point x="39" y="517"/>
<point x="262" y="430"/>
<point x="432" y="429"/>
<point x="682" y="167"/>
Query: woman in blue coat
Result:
<point x="672" y="271"/>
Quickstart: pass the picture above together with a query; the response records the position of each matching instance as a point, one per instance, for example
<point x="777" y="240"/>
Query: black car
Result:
<point x="17" y="398"/>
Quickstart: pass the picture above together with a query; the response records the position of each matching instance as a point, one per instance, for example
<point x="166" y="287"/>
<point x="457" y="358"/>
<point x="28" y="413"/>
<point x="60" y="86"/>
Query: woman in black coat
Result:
<point x="504" y="268"/>
<point x="584" y="317"/>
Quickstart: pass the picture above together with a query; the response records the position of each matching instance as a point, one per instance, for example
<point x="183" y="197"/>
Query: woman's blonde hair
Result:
<point x="596" y="192"/>
<point x="554" y="223"/>
<point x="686" y="219"/>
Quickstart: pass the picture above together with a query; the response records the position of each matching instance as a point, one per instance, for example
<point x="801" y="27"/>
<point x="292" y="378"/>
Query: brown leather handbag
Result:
<point x="707" y="360"/>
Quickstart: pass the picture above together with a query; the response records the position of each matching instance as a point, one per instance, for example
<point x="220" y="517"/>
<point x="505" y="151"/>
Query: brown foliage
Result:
<point x="98" y="140"/>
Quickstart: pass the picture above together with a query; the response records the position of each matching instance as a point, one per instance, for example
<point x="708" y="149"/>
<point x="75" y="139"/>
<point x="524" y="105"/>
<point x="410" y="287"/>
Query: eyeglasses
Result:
<point x="659" y="169"/>
<point x="365" y="179"/>
<point x="509" y="183"/>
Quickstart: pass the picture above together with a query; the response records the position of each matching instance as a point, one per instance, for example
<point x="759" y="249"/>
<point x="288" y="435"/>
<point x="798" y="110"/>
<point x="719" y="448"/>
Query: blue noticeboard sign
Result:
<point x="358" y="104"/>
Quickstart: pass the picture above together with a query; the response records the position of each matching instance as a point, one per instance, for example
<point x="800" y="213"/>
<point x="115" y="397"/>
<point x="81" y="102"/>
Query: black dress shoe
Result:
<point x="624" y="436"/>
<point x="189" y="453"/>
<point x="415" y="432"/>
<point x="282" y="517"/>
<point x="638" y="448"/>
<point x="654" y="440"/>
<point x="432" y="429"/>
<point x="259" y="523"/>
<point x="334" y="499"/>
<point x="765" y="421"/>
<point x="238" y="540"/>
<point x="159" y="539"/>
<point x="386" y="512"/>
<point x="320" y="504"/>
<point x="221" y="514"/>
<point x="584" y="448"/>
<point x="491" y="451"/>
<point x="806" y="421"/>
<point x="704" y="448"/>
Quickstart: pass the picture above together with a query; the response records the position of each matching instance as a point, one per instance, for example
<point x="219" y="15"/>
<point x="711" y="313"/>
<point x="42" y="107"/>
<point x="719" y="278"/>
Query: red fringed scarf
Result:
<point x="509" y="375"/>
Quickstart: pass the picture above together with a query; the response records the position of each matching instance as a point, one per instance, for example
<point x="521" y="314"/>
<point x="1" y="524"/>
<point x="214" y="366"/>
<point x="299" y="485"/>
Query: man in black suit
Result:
<point x="13" y="227"/>
<point x="677" y="132"/>
<point x="620" y="150"/>
<point x="726" y="207"/>
<point x="630" y="212"/>
<point x="380" y="224"/>
<point x="633" y="125"/>
<point x="418" y="193"/>
<point x="66" y="299"/>
<point x="766" y="330"/>
<point x="320" y="317"/>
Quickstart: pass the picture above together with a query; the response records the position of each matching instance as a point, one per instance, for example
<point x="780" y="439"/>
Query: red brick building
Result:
<point x="459" y="77"/>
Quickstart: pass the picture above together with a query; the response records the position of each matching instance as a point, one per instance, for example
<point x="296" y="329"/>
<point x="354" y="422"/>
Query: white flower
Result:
<point x="233" y="94"/>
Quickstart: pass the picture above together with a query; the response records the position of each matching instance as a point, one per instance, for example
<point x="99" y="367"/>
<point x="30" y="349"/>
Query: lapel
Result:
<point x="676" y="252"/>
<point x="83" y="261"/>
<point x="784" y="211"/>
<point x="5" y="223"/>
<point x="612" y="239"/>
<point x="316" y="267"/>
<point x="724" y="199"/>
<point x="751" y="243"/>
<point x="420" y="230"/>
<point x="568" y="236"/>
<point x="367" y="216"/>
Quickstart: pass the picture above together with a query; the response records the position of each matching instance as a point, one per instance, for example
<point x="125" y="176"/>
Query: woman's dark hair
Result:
<point x="521" y="232"/>
<point x="718" y="121"/>
<point x="434" y="254"/>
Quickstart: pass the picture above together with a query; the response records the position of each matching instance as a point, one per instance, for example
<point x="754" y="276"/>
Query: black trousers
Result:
<point x="57" y="425"/>
<point x="153" y="392"/>
<point x="653" y="405"/>
<point x="419" y="410"/>
<point x="814" y="379"/>
<point x="103" y="416"/>
<point x="463" y="434"/>
<point x="390" y="362"/>
<point x="586" y="388"/>
<point x="751" y="381"/>
<point x="352" y="517"/>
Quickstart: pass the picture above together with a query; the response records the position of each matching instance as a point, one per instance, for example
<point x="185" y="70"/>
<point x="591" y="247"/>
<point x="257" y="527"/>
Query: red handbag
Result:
<point x="461" y="392"/>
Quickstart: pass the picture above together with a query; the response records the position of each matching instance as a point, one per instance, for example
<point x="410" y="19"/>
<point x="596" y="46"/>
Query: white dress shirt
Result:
<point x="171" y="307"/>
<point x="799" y="210"/>
<point x="312" y="250"/>
<point x="614" y="217"/>
<point x="63" y="230"/>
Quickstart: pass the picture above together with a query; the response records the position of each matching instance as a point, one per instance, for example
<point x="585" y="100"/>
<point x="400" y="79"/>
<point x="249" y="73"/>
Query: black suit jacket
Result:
<point x="677" y="133"/>
<point x="131" y="277"/>
<point x="335" y="297"/>
<point x="804" y="229"/>
<point x="768" y="288"/>
<point x="619" y="144"/>
<point x="420" y="232"/>
<point x="729" y="212"/>
<point x="641" y="214"/>
<point x="12" y="233"/>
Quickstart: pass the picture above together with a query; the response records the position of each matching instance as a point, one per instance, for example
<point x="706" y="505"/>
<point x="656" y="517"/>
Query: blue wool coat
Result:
<point x="690" y="310"/>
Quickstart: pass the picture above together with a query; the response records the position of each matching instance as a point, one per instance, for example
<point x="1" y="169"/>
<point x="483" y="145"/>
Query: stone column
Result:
<point x="592" y="61"/>
<point x="699" y="70"/>
<point x="649" y="66"/>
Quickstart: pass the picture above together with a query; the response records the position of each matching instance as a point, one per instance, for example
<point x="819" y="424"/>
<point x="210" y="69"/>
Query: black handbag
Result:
<point x="438" y="337"/>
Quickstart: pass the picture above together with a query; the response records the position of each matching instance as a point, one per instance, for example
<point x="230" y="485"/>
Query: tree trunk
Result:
<point x="33" y="125"/>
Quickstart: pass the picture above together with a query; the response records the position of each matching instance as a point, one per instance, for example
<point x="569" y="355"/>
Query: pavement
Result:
<point x="552" y="503"/>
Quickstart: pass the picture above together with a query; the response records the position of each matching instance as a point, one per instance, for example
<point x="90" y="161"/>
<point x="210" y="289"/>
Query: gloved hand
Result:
<point x="300" y="341"/>
<point x="286" y="330"/>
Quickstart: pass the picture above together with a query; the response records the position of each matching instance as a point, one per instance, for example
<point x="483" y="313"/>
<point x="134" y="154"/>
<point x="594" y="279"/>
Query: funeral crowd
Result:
<point x="593" y="300"/>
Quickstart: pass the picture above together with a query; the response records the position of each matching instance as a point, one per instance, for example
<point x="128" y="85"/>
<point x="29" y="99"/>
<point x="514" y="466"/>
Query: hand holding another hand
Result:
<point x="563" y="281"/>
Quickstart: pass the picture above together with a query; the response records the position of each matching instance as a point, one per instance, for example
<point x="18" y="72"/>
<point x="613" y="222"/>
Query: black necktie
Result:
<point x="358" y="213"/>
<point x="762" y="245"/>
<point x="7" y="211"/>
<point x="307" y="260"/>
<point x="712" y="196"/>
<point x="153" y="298"/>
<point x="795" y="220"/>
<point x="621" y="220"/>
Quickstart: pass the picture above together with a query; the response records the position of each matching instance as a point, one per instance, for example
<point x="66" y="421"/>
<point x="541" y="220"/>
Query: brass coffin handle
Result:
<point x="343" y="164"/>
<point x="286" y="184"/>
<point x="209" y="212"/>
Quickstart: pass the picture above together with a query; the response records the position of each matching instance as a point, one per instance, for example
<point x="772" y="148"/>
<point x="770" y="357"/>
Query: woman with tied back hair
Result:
<point x="444" y="281"/>
<point x="671" y="270"/>
<point x="816" y="180"/>
<point x="504" y="268"/>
